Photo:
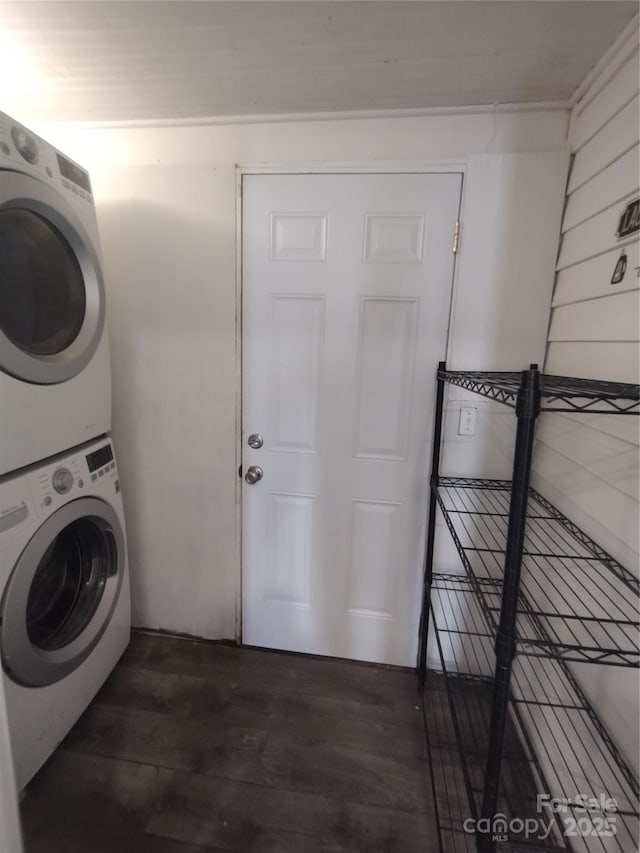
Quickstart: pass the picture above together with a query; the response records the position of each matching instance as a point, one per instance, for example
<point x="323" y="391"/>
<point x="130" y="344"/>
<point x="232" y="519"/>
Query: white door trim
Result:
<point x="458" y="166"/>
<point x="375" y="167"/>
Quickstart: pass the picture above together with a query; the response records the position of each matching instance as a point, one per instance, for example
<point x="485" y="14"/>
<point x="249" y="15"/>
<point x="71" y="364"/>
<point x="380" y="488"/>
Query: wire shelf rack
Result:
<point x="557" y="393"/>
<point x="554" y="741"/>
<point x="535" y="599"/>
<point x="566" y="583"/>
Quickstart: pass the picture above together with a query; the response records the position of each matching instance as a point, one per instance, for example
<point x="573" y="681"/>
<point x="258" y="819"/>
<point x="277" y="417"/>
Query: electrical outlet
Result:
<point x="467" y="422"/>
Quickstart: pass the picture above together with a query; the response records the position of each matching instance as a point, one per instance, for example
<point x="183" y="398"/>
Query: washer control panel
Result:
<point x="70" y="477"/>
<point x="62" y="480"/>
<point x="100" y="462"/>
<point x="16" y="506"/>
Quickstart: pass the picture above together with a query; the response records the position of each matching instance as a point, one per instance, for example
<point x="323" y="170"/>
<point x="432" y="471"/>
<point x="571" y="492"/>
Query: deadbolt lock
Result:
<point x="255" y="441"/>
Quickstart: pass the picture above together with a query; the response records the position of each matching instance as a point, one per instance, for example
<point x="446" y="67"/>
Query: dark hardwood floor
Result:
<point x="194" y="747"/>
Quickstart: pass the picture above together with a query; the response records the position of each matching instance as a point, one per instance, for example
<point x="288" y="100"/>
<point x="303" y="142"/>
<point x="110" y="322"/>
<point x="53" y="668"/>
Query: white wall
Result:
<point x="10" y="834"/>
<point x="166" y="202"/>
<point x="588" y="464"/>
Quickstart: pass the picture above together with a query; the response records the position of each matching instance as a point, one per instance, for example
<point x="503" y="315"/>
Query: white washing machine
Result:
<point x="64" y="586"/>
<point x="55" y="379"/>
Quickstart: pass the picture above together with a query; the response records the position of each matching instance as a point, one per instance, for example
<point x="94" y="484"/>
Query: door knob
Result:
<point x="255" y="441"/>
<point x="254" y="474"/>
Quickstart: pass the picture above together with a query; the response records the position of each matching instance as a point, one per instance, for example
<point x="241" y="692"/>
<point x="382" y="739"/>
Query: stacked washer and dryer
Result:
<point x="64" y="585"/>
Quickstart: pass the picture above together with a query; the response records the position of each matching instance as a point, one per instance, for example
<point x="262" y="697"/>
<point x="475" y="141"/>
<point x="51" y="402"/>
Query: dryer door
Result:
<point x="62" y="592"/>
<point x="51" y="291"/>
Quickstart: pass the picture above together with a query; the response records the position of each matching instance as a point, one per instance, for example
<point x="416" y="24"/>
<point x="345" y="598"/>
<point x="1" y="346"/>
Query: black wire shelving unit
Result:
<point x="506" y="718"/>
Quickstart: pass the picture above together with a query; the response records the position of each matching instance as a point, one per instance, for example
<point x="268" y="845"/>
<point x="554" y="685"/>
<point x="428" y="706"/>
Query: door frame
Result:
<point x="360" y="167"/>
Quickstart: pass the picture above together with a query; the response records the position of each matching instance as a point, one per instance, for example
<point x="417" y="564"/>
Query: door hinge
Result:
<point x="456" y="236"/>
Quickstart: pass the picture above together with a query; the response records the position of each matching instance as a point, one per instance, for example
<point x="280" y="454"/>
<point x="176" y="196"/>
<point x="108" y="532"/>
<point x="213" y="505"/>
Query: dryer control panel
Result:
<point x="24" y="151"/>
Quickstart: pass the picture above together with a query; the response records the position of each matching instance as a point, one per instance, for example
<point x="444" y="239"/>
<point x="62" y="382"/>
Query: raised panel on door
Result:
<point x="298" y="236"/>
<point x="290" y="548"/>
<point x="386" y="352"/>
<point x="296" y="342"/>
<point x="375" y="540"/>
<point x="346" y="293"/>
<point x="393" y="239"/>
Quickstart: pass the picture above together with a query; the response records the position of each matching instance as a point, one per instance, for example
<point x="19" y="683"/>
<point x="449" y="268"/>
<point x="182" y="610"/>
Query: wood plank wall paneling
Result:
<point x="605" y="175"/>
<point x="588" y="464"/>
<point x="612" y="319"/>
<point x="606" y="104"/>
<point x="595" y="236"/>
<point x="568" y="358"/>
<point x="603" y="190"/>
<point x="594" y="327"/>
<point x="591" y="279"/>
<point x="618" y="135"/>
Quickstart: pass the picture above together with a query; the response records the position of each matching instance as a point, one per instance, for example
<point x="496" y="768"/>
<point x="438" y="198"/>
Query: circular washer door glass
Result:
<point x="42" y="290"/>
<point x="69" y="583"/>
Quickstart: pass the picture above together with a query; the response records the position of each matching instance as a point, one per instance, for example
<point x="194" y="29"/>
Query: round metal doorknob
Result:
<point x="255" y="441"/>
<point x="254" y="474"/>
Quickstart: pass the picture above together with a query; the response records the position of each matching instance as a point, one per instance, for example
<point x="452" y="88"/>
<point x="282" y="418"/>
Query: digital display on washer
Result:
<point x="99" y="457"/>
<point x="74" y="173"/>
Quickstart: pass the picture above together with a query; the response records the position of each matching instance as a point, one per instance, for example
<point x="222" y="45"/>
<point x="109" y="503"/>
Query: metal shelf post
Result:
<point x="527" y="410"/>
<point x="431" y="529"/>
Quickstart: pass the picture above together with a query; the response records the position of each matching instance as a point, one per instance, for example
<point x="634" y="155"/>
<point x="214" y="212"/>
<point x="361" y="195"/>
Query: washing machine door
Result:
<point x="51" y="289"/>
<point x="62" y="592"/>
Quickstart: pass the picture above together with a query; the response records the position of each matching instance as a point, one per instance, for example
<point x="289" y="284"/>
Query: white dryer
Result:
<point x="55" y="379"/>
<point x="64" y="587"/>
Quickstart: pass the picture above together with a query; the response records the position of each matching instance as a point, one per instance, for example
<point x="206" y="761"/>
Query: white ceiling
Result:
<point x="97" y="60"/>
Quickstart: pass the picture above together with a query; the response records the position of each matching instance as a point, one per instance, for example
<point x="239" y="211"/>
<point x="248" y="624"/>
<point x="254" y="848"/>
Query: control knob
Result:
<point x="26" y="145"/>
<point x="62" y="480"/>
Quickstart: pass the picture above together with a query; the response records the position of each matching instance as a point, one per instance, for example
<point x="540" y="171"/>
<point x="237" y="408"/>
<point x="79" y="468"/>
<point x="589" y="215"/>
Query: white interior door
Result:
<point x="346" y="294"/>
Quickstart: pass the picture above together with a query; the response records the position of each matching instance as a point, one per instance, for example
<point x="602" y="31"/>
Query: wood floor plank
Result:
<point x="334" y="770"/>
<point x="276" y="670"/>
<point x="93" y="789"/>
<point x="244" y="817"/>
<point x="213" y="705"/>
<point x="196" y="747"/>
<point x="159" y="739"/>
<point x="68" y="835"/>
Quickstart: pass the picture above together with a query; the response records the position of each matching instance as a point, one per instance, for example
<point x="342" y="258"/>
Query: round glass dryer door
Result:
<point x="51" y="292"/>
<point x="62" y="592"/>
